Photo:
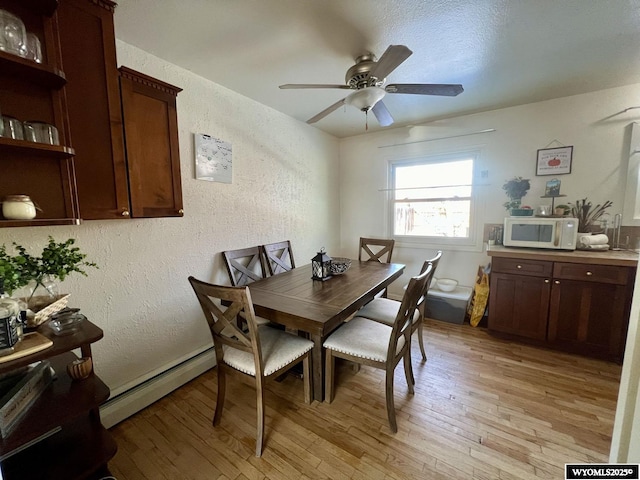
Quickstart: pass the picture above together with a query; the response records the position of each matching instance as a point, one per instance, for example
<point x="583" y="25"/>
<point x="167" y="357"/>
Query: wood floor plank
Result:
<point x="484" y="408"/>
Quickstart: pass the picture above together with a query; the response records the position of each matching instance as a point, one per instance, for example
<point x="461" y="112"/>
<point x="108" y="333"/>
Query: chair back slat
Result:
<point x="376" y="249"/>
<point x="222" y="317"/>
<point x="404" y="318"/>
<point x="434" y="263"/>
<point x="278" y="257"/>
<point x="244" y="266"/>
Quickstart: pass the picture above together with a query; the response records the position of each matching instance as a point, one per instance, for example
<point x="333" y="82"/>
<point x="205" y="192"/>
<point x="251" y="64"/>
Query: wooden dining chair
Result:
<point x="384" y="309"/>
<point x="245" y="266"/>
<point x="278" y="257"/>
<point x="378" y="345"/>
<point x="376" y="250"/>
<point x="261" y="353"/>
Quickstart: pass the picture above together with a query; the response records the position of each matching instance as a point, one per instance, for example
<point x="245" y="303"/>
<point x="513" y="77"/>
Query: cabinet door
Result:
<point x="590" y="318"/>
<point x="95" y="116"/>
<point x="151" y="133"/>
<point x="518" y="305"/>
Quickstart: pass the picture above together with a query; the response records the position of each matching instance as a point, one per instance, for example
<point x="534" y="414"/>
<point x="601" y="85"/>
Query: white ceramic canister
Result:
<point x="18" y="207"/>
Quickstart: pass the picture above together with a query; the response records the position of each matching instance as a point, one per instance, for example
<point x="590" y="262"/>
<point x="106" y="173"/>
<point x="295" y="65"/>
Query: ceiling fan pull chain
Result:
<point x="366" y="120"/>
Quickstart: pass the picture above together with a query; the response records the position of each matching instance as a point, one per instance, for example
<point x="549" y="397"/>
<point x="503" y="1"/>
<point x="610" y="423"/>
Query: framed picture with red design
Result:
<point x="554" y="161"/>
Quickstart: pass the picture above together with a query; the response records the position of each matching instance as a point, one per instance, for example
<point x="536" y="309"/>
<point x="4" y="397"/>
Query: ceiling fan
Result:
<point x="367" y="78"/>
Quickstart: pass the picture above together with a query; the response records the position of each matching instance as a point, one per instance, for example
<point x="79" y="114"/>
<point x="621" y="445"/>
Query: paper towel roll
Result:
<point x="600" y="239"/>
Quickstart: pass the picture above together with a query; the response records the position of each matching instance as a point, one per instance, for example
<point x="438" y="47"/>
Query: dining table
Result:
<point x="317" y="308"/>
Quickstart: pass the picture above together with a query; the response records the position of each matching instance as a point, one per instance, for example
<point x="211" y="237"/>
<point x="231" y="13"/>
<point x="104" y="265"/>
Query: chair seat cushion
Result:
<point x="383" y="310"/>
<point x="279" y="349"/>
<point x="361" y="337"/>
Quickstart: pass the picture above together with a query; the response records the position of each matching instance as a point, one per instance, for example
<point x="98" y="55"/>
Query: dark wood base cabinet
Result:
<point x="519" y="305"/>
<point x="60" y="437"/>
<point x="575" y="307"/>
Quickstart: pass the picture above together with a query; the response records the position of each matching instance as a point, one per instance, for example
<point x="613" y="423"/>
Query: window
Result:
<point x="433" y="197"/>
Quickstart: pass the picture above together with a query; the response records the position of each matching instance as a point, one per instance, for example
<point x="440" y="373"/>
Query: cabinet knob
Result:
<point x="589" y="274"/>
<point x="518" y="266"/>
<point x="125" y="213"/>
<point x="546" y="280"/>
<point x="181" y="211"/>
<point x="557" y="282"/>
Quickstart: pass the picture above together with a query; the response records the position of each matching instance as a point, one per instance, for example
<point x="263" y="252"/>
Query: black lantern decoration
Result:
<point x="321" y="266"/>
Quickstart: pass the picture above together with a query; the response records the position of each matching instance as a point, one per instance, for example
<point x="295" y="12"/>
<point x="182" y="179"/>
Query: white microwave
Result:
<point x="538" y="232"/>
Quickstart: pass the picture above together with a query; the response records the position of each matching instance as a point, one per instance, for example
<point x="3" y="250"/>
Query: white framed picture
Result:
<point x="554" y="161"/>
<point x="214" y="162"/>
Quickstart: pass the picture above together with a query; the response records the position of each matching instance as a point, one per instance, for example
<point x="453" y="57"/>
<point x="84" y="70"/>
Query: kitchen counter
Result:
<point x="623" y="258"/>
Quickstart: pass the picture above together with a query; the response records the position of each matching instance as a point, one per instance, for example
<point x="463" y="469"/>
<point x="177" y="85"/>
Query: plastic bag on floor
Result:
<point x="480" y="297"/>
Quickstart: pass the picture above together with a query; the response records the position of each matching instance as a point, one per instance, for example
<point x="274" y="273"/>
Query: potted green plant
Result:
<point x="56" y="262"/>
<point x="587" y="214"/>
<point x="516" y="189"/>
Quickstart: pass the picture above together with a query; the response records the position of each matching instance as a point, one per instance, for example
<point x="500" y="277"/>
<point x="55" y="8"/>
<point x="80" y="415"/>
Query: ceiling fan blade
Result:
<point x="326" y="111"/>
<point x="313" y="85"/>
<point x="389" y="61"/>
<point x="443" y="89"/>
<point x="382" y="114"/>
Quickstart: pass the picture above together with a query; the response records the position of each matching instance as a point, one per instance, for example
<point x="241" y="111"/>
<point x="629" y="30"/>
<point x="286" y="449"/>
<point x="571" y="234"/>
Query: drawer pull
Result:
<point x="518" y="266"/>
<point x="589" y="274"/>
<point x="546" y="280"/>
<point x="557" y="282"/>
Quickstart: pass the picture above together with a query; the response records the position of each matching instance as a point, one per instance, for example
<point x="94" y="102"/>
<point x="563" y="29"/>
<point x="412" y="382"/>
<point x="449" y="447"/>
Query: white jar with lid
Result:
<point x="18" y="207"/>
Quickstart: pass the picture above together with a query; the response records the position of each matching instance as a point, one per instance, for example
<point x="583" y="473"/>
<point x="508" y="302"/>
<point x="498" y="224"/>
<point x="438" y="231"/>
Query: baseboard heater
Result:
<point x="159" y="384"/>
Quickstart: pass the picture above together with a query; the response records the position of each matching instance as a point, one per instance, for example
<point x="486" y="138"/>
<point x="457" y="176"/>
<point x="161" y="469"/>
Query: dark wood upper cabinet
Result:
<point x="88" y="47"/>
<point x="117" y="177"/>
<point x="37" y="91"/>
<point x="151" y="138"/>
<point x="95" y="172"/>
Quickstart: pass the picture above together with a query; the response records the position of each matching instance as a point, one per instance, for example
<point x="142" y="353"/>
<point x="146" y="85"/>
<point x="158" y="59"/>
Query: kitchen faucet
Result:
<point x="617" y="223"/>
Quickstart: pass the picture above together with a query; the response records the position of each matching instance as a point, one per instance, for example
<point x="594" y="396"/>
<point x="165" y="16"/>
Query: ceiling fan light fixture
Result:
<point x="365" y="98"/>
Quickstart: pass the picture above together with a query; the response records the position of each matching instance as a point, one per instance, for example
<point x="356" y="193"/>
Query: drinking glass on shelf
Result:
<point x="34" y="49"/>
<point x="41" y="132"/>
<point x="12" y="128"/>
<point x="13" y="35"/>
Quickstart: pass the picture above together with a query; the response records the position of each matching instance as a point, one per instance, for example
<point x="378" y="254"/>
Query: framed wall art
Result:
<point x="554" y="161"/>
<point x="552" y="188"/>
<point x="214" y="162"/>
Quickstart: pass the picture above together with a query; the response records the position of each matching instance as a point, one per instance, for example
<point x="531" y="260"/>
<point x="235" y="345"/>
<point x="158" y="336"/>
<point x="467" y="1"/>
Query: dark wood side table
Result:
<point x="61" y="436"/>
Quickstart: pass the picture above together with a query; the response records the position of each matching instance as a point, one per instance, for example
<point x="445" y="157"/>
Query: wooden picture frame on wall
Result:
<point x="554" y="161"/>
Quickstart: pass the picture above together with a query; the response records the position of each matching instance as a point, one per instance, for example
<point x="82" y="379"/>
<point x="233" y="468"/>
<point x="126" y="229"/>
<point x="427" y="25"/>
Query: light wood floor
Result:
<point x="483" y="408"/>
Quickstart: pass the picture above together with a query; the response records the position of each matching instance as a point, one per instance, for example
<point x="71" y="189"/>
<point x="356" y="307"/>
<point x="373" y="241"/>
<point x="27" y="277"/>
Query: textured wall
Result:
<point x="284" y="187"/>
<point x="594" y="123"/>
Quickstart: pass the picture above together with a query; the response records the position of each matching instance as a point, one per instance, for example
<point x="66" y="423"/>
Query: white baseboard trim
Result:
<point x="137" y="398"/>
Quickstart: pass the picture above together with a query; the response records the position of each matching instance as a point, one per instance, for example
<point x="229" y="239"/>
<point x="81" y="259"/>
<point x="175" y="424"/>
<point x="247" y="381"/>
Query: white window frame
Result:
<point x="462" y="243"/>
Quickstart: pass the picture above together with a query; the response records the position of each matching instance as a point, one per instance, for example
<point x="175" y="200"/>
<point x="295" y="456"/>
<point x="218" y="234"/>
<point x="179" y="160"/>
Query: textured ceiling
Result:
<point x="504" y="52"/>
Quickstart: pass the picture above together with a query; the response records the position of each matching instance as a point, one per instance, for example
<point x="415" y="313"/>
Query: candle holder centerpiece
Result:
<point x="321" y="266"/>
